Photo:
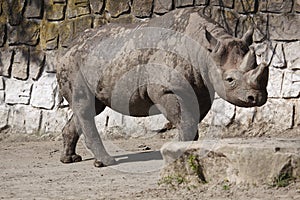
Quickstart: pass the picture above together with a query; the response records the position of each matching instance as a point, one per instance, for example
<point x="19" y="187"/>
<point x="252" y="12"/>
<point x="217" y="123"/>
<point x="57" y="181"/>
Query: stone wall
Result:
<point x="32" y="31"/>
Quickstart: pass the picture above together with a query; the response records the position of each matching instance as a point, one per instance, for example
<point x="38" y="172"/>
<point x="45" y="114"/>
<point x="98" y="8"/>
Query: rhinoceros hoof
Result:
<point x="71" y="159"/>
<point x="106" y="162"/>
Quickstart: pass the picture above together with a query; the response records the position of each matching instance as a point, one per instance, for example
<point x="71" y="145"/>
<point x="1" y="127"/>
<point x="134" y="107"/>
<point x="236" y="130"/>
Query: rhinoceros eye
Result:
<point x="231" y="81"/>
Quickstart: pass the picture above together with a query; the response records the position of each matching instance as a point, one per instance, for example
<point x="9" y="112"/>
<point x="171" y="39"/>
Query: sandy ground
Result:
<point x="32" y="170"/>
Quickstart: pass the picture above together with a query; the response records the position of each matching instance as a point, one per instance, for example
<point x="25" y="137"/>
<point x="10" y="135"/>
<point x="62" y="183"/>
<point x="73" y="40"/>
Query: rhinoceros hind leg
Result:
<point x="70" y="139"/>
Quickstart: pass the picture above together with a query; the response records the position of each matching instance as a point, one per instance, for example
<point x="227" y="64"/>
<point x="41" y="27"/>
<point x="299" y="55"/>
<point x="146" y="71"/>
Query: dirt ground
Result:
<point x="31" y="169"/>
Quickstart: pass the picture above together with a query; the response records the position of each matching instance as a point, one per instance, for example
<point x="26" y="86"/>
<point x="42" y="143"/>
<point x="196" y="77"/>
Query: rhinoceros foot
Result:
<point x="71" y="159"/>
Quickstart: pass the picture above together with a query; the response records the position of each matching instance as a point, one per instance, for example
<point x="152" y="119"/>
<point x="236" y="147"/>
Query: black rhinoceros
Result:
<point x="171" y="64"/>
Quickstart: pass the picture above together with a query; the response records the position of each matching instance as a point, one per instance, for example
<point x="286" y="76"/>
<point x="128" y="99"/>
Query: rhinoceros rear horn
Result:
<point x="249" y="61"/>
<point x="248" y="36"/>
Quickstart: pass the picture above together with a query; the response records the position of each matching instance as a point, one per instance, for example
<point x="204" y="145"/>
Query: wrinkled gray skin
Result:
<point x="172" y="65"/>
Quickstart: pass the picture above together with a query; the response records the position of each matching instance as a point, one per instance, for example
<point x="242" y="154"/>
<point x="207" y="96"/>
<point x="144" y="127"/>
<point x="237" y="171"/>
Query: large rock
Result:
<point x="17" y="91"/>
<point x="275" y="83"/>
<point x="25" y="119"/>
<point x="291" y="84"/>
<point x="277" y="114"/>
<point x="292" y="56"/>
<point x="53" y="121"/>
<point x="222" y="113"/>
<point x="44" y="92"/>
<point x="4" y="113"/>
<point x="254" y="161"/>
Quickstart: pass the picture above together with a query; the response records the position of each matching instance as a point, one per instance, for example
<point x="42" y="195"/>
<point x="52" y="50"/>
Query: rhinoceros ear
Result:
<point x="248" y="36"/>
<point x="211" y="40"/>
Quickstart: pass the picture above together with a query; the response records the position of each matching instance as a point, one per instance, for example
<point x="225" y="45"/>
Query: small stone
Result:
<point x="2" y="97"/>
<point x="279" y="6"/>
<point x="77" y="8"/>
<point x="17" y="91"/>
<point x="51" y="61"/>
<point x="55" y="12"/>
<point x="44" y="91"/>
<point x="245" y="6"/>
<point x="96" y="6"/>
<point x="201" y="2"/>
<point x="244" y="116"/>
<point x="279" y="57"/>
<point x="37" y="62"/>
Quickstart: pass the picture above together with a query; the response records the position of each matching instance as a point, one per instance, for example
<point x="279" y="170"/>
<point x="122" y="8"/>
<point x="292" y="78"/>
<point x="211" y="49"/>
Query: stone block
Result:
<point x="4" y="114"/>
<point x="49" y="35"/>
<point x="53" y="121"/>
<point x="37" y="62"/>
<point x="20" y="64"/>
<point x="51" y="61"/>
<point x="15" y="12"/>
<point x="142" y="8"/>
<point x="291" y="84"/>
<point x="260" y="24"/>
<point x="275" y="83"/>
<point x="17" y="91"/>
<point x="292" y="56"/>
<point x="44" y="92"/>
<point x="279" y="6"/>
<point x="162" y="6"/>
<point x="5" y="62"/>
<point x="66" y="33"/>
<point x="222" y="3"/>
<point x="225" y="18"/>
<point x="28" y="32"/>
<point x="116" y="8"/>
<point x="201" y="2"/>
<point x="239" y="161"/>
<point x="277" y="114"/>
<point x="96" y="6"/>
<point x="2" y="34"/>
<point x="183" y="3"/>
<point x="244" y="116"/>
<point x="284" y="26"/>
<point x="55" y="12"/>
<point x="222" y="113"/>
<point x="34" y="9"/>
<point x="297" y="6"/>
<point x="25" y="119"/>
<point x="245" y="6"/>
<point x="279" y="60"/>
<point x="297" y="113"/>
<point x="82" y="23"/>
<point x="2" y="96"/>
<point x="77" y="8"/>
<point x="1" y="83"/>
<point x="264" y="52"/>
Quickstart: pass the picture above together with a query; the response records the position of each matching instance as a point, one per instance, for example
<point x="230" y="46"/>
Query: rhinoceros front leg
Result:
<point x="179" y="111"/>
<point x="70" y="139"/>
<point x="83" y="106"/>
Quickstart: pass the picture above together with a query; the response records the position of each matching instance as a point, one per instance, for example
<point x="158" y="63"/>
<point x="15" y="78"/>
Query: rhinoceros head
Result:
<point x="236" y="76"/>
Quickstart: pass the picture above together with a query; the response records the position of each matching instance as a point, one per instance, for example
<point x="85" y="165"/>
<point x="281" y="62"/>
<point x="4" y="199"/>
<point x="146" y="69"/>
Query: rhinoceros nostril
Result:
<point x="251" y="99"/>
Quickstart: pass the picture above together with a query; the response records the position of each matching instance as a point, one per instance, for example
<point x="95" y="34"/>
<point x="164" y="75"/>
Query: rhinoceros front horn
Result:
<point x="249" y="61"/>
